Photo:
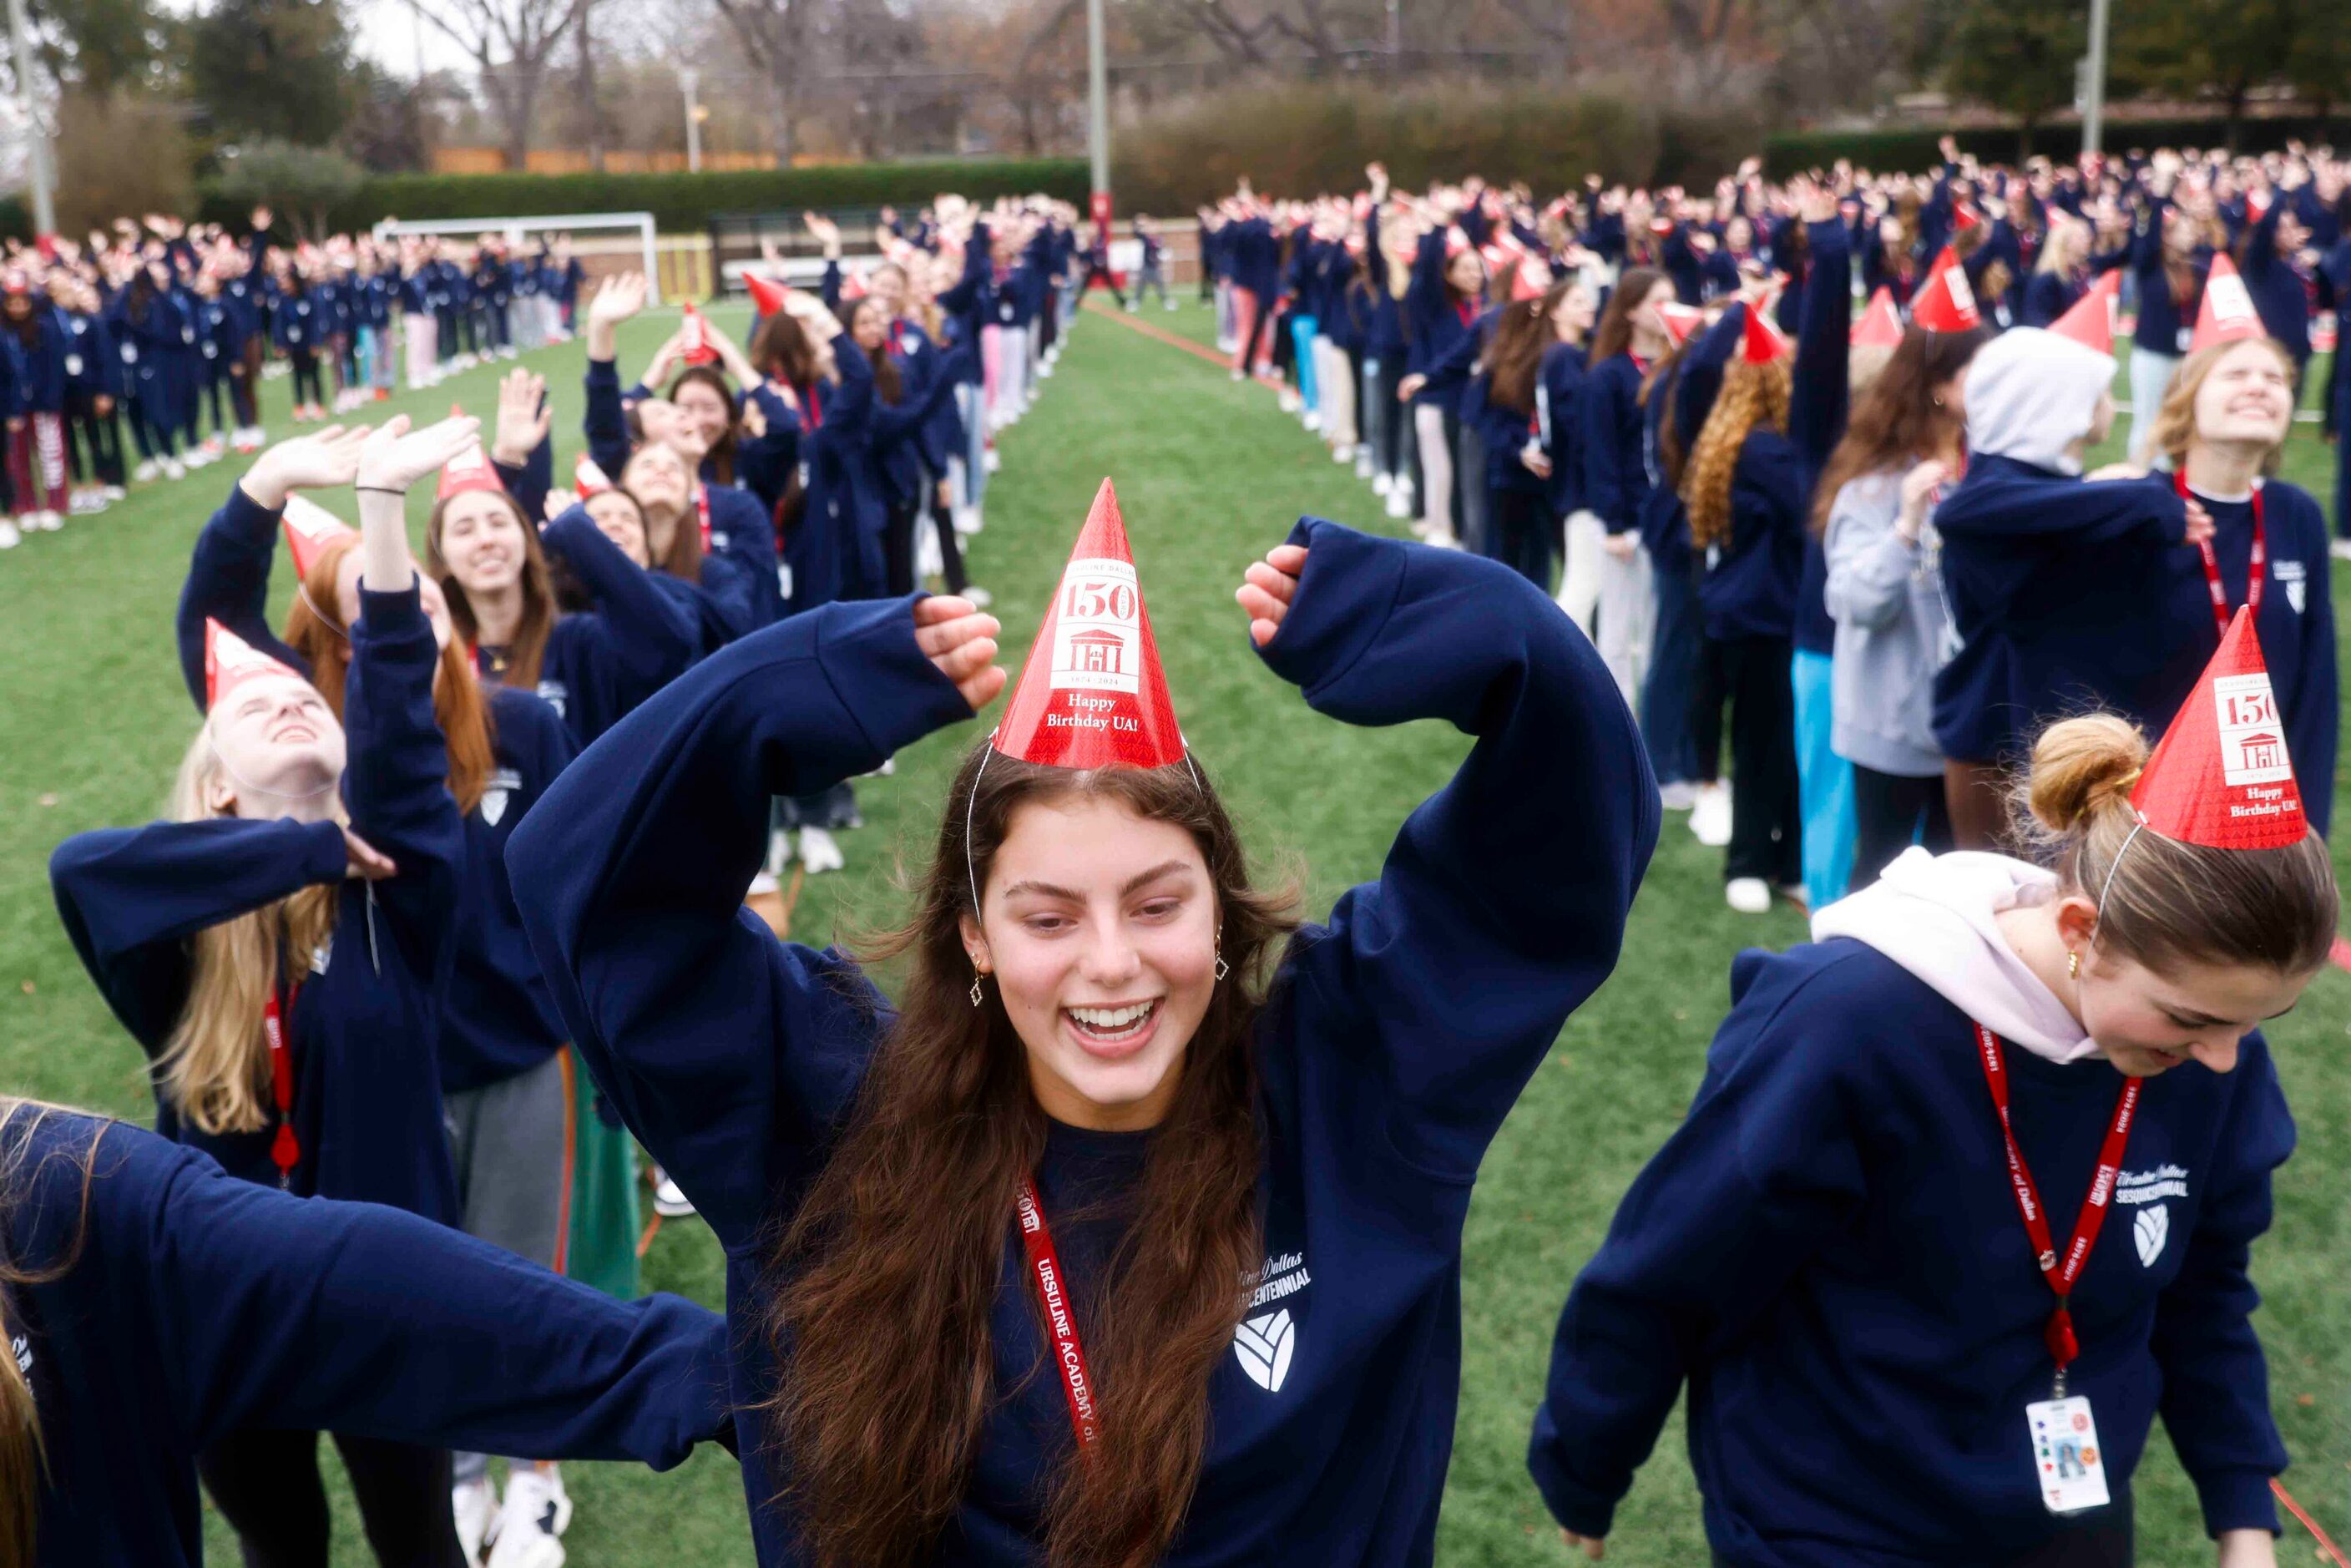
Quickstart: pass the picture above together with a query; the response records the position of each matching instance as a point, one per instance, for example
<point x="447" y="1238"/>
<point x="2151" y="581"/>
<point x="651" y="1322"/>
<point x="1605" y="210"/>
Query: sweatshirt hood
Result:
<point x="2031" y="396"/>
<point x="1936" y="916"/>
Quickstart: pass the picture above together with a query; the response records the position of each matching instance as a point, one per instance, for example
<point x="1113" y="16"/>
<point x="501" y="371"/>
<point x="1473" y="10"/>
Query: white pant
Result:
<point x="1334" y="379"/>
<point x="1579" y="582"/>
<point x="2150" y="378"/>
<point x="1628" y="612"/>
<point x="420" y="333"/>
<point x="1436" y="468"/>
<point x="1011" y="373"/>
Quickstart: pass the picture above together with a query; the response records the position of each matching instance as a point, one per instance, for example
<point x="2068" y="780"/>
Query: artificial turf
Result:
<point x="93" y="718"/>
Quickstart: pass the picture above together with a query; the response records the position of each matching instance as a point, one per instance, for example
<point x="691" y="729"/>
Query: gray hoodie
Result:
<point x="1891" y="631"/>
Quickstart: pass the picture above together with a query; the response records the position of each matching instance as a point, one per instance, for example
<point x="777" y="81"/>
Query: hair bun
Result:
<point x="2080" y="766"/>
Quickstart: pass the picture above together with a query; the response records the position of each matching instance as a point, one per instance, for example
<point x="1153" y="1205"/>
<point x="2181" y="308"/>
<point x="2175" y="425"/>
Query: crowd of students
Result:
<point x="1132" y="1232"/>
<point x="171" y="328"/>
<point x="1857" y="540"/>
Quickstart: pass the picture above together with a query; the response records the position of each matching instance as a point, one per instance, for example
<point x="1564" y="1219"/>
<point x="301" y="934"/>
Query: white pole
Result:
<point x="687" y="79"/>
<point x="2094" y="105"/>
<point x="1097" y="116"/>
<point x="43" y="172"/>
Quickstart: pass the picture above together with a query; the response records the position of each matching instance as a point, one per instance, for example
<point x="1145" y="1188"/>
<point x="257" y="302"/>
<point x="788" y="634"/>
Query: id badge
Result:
<point x="2071" y="1467"/>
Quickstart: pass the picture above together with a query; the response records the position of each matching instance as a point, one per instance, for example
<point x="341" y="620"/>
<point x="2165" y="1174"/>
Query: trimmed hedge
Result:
<point x="1288" y="142"/>
<point x="1915" y="149"/>
<point x="685" y="203"/>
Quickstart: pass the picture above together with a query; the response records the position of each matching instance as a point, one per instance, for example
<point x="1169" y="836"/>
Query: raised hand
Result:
<point x="395" y="456"/>
<point x="523" y="417"/>
<point x="1268" y="589"/>
<point x="961" y="641"/>
<point x="558" y="501"/>
<point x="319" y="461"/>
<point x="617" y="298"/>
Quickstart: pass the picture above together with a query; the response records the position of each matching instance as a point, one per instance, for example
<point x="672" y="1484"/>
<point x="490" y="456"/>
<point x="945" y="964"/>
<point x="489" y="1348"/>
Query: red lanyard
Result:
<point x="285" y="1150"/>
<point x="702" y="505"/>
<point x="815" y="408"/>
<point x="2060" y="1273"/>
<point x="1070" y="1355"/>
<point x="2253" y="572"/>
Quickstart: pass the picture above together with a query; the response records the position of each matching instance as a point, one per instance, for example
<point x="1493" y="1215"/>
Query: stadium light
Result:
<point x="1097" y="118"/>
<point x="687" y="79"/>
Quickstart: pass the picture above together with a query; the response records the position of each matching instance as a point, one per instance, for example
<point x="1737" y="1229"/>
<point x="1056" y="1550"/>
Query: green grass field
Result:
<point x="94" y="719"/>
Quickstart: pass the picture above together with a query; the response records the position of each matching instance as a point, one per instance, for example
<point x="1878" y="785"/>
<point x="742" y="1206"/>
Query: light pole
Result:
<point x="686" y="79"/>
<point x="44" y="175"/>
<point x="2094" y="94"/>
<point x="1097" y="116"/>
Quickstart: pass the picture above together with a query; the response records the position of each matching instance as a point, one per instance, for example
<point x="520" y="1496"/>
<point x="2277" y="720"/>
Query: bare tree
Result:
<point x="513" y="43"/>
<point x="777" y="37"/>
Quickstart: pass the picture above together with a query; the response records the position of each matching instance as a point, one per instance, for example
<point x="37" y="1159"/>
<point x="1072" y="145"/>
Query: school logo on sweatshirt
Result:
<point x="2150" y="1230"/>
<point x="1264" y="1342"/>
<point x="2295" y="578"/>
<point x="503" y="782"/>
<point x="553" y="692"/>
<point x="2148" y="1191"/>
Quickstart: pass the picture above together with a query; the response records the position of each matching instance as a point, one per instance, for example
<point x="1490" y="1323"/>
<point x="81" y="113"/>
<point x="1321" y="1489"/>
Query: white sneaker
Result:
<point x="2340" y="550"/>
<point x="1132" y="306"/>
<point x="147" y="469"/>
<point x="1381" y="483"/>
<point x="779" y="855"/>
<point x="1679" y="795"/>
<point x="1443" y="538"/>
<point x="49" y="521"/>
<point x="966" y="520"/>
<point x="536" y="1514"/>
<point x="475" y="1504"/>
<point x="762" y="881"/>
<point x="991" y="461"/>
<point x="1343" y="452"/>
<point x="1400" y="501"/>
<point x="116" y="492"/>
<point x="1045" y="372"/>
<point x="1364" y="463"/>
<point x="1169" y="303"/>
<point x="1710" y="815"/>
<point x="1290" y="402"/>
<point x="1311" y="420"/>
<point x="174" y="469"/>
<point x="9" y="538"/>
<point x="1748" y="895"/>
<point x="669" y="1199"/>
<point x="1237" y="375"/>
<point x="820" y="851"/>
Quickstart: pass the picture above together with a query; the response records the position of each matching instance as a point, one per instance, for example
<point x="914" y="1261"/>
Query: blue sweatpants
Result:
<point x="1824" y="785"/>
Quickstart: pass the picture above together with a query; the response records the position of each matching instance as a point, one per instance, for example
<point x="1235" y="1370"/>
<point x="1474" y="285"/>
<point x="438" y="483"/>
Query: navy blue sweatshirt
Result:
<point x="501" y="1020"/>
<point x="366" y="1028"/>
<point x="600" y="662"/>
<point x="1402" y="1032"/>
<point x="2166" y="323"/>
<point x="1616" y="479"/>
<point x="2068" y="593"/>
<point x="1559" y="391"/>
<point x="185" y="1306"/>
<point x="1747" y="581"/>
<point x="1828" y="1251"/>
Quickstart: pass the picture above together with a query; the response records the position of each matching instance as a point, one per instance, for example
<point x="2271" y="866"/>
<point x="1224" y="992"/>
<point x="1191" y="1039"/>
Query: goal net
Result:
<point x="604" y="242"/>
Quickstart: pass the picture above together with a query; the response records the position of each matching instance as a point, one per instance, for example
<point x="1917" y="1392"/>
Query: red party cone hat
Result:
<point x="2227" y="314"/>
<point x="2091" y="321"/>
<point x="1679" y="321"/>
<point x="1093" y="693"/>
<point x="1945" y="302"/>
<point x="1455" y="242"/>
<point x="698" y="350"/>
<point x="469" y="470"/>
<point x="1758" y="341"/>
<point x="588" y="478"/>
<point x="309" y="529"/>
<point x="1880" y="326"/>
<point x="1531" y="279"/>
<point x="2221" y="776"/>
<point x="230" y="661"/>
<point x="766" y="296"/>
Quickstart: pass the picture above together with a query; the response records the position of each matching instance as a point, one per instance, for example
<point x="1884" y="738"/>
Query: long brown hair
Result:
<point x="315" y="630"/>
<point x="1514" y="357"/>
<point x="782" y="352"/>
<point x="1613" y="336"/>
<point x="881" y="1288"/>
<point x="1898" y="420"/>
<point x="23" y="1461"/>
<point x="887" y="384"/>
<point x="683" y="560"/>
<point x="1752" y="395"/>
<point x="721" y="455"/>
<point x="2167" y="902"/>
<point x="539" y="601"/>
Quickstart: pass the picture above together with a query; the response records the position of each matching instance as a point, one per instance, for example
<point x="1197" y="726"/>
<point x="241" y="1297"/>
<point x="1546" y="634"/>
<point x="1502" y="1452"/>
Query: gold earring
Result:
<point x="2072" y="966"/>
<point x="1223" y="968"/>
<point x="976" y="972"/>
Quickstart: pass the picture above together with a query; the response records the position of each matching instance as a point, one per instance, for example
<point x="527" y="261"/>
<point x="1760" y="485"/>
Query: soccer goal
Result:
<point x="604" y="242"/>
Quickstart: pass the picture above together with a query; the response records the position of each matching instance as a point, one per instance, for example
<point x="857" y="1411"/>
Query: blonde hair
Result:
<point x="1751" y="395"/>
<point x="2165" y="901"/>
<point x="2174" y="417"/>
<point x="214" y="1069"/>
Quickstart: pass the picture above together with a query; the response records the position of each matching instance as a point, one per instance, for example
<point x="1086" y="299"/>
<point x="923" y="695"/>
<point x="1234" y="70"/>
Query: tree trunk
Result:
<point x="781" y="134"/>
<point x="592" y="126"/>
<point x="516" y="105"/>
